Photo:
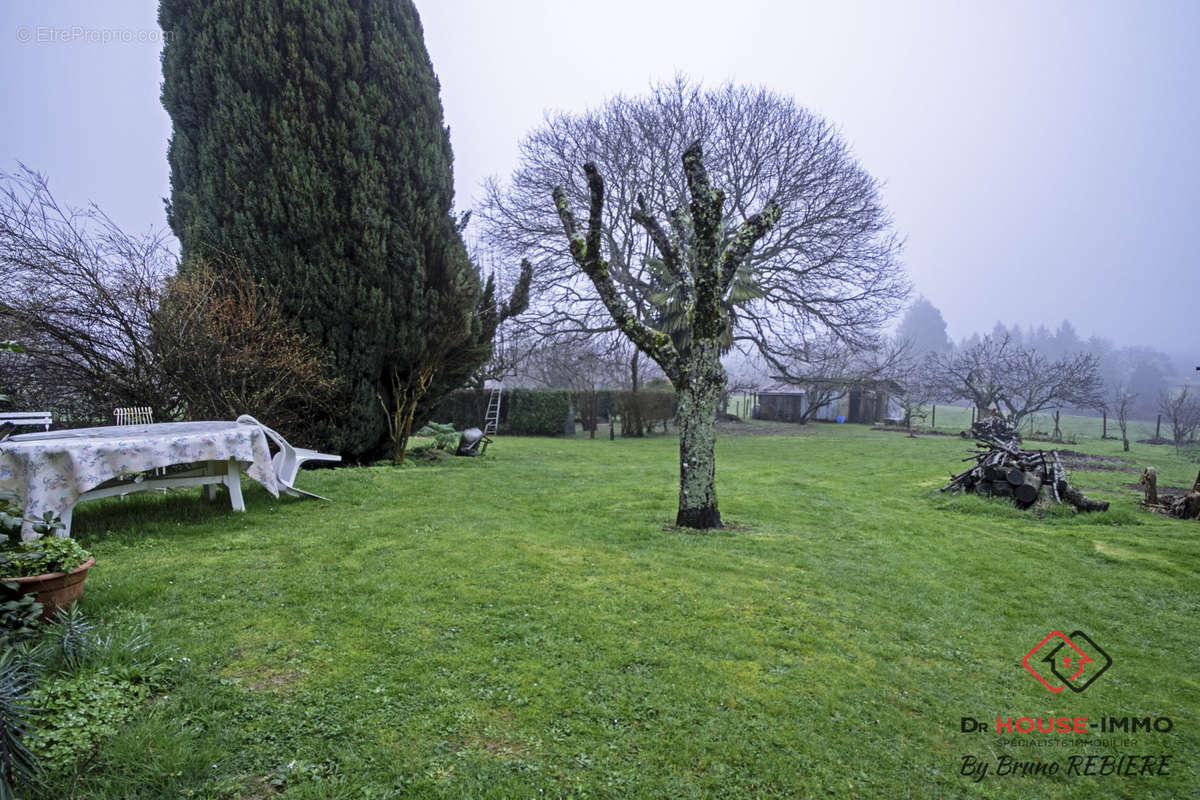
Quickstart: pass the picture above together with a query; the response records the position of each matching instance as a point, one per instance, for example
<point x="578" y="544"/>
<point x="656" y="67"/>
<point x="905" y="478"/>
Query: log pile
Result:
<point x="1002" y="469"/>
<point x="991" y="428"/>
<point x="1180" y="506"/>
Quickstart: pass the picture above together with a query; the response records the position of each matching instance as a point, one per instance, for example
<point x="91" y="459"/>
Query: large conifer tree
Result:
<point x="309" y="143"/>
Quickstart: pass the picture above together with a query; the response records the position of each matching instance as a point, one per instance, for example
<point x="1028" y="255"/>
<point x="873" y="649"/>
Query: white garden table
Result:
<point x="53" y="471"/>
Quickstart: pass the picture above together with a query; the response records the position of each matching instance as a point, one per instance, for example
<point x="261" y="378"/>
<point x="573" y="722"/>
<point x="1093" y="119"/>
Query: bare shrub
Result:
<point x="225" y="347"/>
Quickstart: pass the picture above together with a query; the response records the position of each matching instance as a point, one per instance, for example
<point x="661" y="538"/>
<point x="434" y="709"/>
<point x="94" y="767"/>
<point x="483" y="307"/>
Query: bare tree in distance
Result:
<point x="829" y="267"/>
<point x="704" y="262"/>
<point x="566" y="364"/>
<point x="974" y="372"/>
<point x="583" y="367"/>
<point x="1035" y="383"/>
<point x="1182" y="411"/>
<point x="918" y="388"/>
<point x="1016" y="381"/>
<point x="830" y="368"/>
<point x="1119" y="399"/>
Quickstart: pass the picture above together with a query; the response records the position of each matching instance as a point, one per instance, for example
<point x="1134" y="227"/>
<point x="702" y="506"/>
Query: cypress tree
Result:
<point x="309" y="144"/>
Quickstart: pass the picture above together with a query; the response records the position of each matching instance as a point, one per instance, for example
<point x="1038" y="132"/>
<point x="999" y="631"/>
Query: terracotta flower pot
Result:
<point x="55" y="590"/>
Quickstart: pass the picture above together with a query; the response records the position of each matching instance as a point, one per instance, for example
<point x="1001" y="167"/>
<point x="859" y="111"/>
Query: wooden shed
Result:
<point x="780" y="404"/>
<point x="861" y="400"/>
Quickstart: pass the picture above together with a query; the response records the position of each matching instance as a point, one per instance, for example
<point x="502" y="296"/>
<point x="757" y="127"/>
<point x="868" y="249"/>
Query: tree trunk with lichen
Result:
<point x="705" y="266"/>
<point x="698" y="394"/>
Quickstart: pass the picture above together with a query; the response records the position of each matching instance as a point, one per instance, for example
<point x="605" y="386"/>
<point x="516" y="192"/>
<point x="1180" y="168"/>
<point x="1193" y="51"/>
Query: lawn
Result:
<point x="528" y="625"/>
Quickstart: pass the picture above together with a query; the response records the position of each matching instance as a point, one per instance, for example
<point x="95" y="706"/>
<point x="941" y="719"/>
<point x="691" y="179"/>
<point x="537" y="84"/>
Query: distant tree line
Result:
<point x="1017" y="372"/>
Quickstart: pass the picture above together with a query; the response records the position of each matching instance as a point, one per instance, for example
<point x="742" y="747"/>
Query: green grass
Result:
<point x="528" y="625"/>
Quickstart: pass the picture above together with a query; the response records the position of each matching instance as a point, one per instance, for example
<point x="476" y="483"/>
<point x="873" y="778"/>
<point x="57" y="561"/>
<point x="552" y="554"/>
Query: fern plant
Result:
<point x="19" y="768"/>
<point x="443" y="434"/>
<point x="672" y="313"/>
<point x="71" y="634"/>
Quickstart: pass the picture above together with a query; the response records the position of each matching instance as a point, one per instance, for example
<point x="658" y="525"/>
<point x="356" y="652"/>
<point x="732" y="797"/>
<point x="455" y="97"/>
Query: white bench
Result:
<point x="31" y="418"/>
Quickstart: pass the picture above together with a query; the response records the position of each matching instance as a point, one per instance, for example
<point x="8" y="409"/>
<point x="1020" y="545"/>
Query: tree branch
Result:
<point x="748" y="234"/>
<point x="666" y="247"/>
<point x="586" y="253"/>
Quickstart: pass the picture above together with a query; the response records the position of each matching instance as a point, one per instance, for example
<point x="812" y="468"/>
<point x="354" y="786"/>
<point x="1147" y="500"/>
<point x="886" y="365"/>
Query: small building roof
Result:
<point x="870" y="384"/>
<point x="780" y="389"/>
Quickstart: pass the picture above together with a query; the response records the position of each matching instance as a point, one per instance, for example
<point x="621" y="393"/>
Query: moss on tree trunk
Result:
<point x="699" y="393"/>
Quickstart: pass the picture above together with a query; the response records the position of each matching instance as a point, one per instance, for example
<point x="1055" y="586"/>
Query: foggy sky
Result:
<point x="1039" y="158"/>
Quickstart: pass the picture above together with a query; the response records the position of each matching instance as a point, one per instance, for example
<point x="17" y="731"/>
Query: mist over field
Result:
<point x="1038" y="159"/>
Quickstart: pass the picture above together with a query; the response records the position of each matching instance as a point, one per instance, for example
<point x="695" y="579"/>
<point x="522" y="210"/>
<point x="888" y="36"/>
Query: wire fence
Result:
<point x="955" y="418"/>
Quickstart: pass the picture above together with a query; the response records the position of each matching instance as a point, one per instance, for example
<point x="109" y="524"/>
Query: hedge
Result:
<point x="543" y="412"/>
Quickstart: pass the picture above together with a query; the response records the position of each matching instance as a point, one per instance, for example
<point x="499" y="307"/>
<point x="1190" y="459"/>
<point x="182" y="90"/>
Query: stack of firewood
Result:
<point x="991" y="428"/>
<point x="1002" y="469"/>
<point x="1181" y="506"/>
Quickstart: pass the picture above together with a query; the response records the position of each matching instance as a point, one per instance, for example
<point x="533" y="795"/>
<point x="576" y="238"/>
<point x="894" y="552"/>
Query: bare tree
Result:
<point x="79" y="294"/>
<point x="1119" y="400"/>
<point x="828" y="369"/>
<point x="583" y="367"/>
<point x="222" y="343"/>
<point x="998" y="375"/>
<point x="1182" y="411"/>
<point x="1033" y="382"/>
<point x="105" y="324"/>
<point x="704" y="262"/>
<point x="974" y="372"/>
<point x="828" y="267"/>
<point x="918" y="389"/>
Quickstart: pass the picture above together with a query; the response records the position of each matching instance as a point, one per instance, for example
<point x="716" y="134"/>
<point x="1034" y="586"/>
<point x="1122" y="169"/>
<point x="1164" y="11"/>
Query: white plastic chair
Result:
<point x="288" y="460"/>
<point x="136" y="415"/>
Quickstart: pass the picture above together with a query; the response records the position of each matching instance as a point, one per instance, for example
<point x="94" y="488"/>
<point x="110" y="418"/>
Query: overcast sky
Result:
<point x="1041" y="159"/>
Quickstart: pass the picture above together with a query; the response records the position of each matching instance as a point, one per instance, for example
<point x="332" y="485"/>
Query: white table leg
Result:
<point x="66" y="521"/>
<point x="209" y="490"/>
<point x="233" y="482"/>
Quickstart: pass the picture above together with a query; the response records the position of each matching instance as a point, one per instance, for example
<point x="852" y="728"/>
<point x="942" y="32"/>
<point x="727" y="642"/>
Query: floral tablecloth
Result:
<point x="49" y="471"/>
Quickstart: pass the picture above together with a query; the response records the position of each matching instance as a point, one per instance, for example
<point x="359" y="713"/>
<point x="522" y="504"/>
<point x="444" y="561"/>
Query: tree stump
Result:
<point x="1149" y="480"/>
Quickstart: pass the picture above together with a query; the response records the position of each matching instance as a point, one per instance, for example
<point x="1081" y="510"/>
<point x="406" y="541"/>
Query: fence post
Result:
<point x="1104" y="429"/>
<point x="1157" y="425"/>
<point x="933" y="422"/>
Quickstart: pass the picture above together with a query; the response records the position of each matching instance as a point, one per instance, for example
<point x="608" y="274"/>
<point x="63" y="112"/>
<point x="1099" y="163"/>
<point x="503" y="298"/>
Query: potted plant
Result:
<point x="51" y="567"/>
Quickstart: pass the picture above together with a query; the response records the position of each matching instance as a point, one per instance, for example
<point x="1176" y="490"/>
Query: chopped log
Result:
<point x="1027" y="493"/>
<point x="1016" y="475"/>
<point x="1185" y="506"/>
<point x="1003" y="469"/>
<point x="1077" y="499"/>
